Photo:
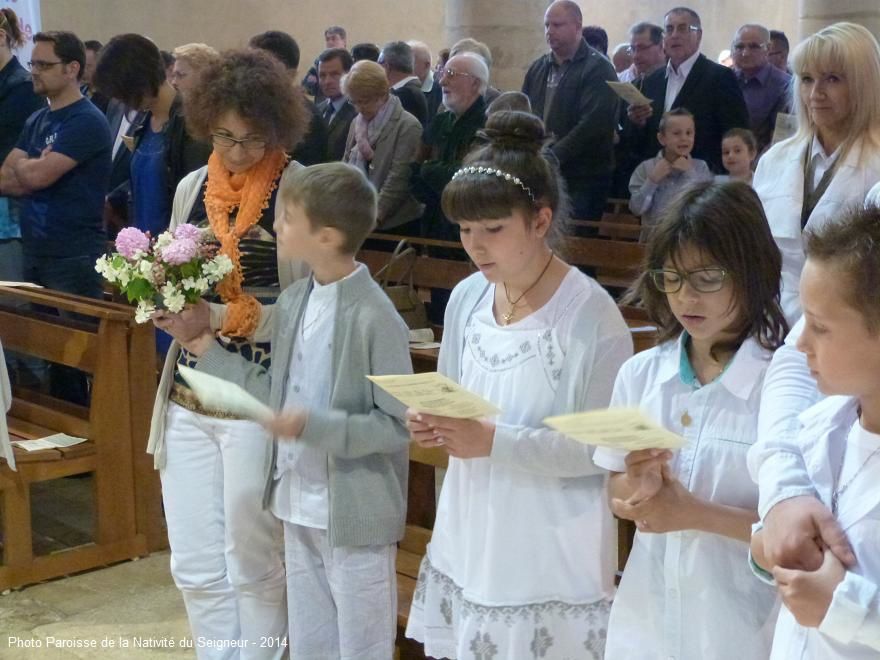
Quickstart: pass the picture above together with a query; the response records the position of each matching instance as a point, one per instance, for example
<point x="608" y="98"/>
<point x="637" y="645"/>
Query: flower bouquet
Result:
<point x="166" y="272"/>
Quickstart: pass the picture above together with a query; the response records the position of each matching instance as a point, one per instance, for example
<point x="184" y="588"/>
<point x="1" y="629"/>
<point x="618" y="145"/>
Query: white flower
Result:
<point x="199" y="285"/>
<point x="163" y="240"/>
<point x="145" y="270"/>
<point x="173" y="298"/>
<point x="145" y="309"/>
<point x="216" y="269"/>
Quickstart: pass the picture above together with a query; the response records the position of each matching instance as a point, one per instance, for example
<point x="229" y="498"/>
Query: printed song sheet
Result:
<point x="629" y="93"/>
<point x="620" y="428"/>
<point x="435" y="394"/>
<point x="218" y="394"/>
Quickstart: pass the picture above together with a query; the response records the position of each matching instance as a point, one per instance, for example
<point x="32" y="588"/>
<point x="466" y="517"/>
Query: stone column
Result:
<point x="813" y="15"/>
<point x="513" y="30"/>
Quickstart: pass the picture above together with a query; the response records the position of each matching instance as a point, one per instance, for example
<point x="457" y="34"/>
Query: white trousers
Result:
<point x="225" y="549"/>
<point x="342" y="602"/>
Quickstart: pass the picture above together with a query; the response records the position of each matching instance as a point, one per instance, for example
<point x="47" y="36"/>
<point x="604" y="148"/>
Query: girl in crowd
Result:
<point x="711" y="285"/>
<point x="738" y="151"/>
<point x="535" y="337"/>
<point x="225" y="548"/>
<point x="834" y="158"/>
<point x="383" y="141"/>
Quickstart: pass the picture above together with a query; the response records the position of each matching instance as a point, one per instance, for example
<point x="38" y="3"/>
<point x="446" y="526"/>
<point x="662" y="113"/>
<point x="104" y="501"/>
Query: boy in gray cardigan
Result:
<point x="338" y="473"/>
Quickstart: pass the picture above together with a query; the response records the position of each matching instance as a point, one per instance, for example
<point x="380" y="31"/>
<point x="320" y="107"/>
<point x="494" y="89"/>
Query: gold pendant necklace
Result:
<point x="513" y="303"/>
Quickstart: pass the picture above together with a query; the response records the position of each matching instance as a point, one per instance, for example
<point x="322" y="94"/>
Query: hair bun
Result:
<point x="515" y="130"/>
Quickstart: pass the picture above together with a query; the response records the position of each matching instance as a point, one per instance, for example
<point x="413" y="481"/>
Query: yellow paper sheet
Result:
<point x="218" y="394"/>
<point x="629" y="93"/>
<point x="619" y="428"/>
<point x="435" y="394"/>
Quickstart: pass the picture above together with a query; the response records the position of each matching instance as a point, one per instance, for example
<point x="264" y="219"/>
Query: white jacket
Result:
<point x="779" y="182"/>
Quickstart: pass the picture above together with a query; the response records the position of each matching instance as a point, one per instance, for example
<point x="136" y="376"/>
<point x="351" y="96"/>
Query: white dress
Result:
<point x="520" y="564"/>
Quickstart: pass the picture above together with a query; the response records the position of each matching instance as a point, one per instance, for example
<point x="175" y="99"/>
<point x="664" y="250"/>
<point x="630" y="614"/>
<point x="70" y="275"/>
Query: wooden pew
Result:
<point x="119" y="354"/>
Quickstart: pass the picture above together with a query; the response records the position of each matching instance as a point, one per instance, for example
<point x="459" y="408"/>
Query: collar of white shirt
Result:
<point x="428" y="84"/>
<point x="819" y="157"/>
<point x="401" y="83"/>
<point x="684" y="70"/>
<point x="738" y="377"/>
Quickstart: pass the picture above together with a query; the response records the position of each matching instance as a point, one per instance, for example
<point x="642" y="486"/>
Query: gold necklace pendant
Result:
<point x="508" y="316"/>
<point x="686" y="419"/>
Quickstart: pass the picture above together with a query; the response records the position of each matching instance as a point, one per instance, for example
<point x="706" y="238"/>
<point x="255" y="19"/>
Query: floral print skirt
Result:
<point x="450" y="626"/>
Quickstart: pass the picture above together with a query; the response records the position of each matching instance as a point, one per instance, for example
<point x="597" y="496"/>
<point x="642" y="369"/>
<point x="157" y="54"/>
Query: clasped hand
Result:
<point x="461" y="438"/>
<point x="659" y="502"/>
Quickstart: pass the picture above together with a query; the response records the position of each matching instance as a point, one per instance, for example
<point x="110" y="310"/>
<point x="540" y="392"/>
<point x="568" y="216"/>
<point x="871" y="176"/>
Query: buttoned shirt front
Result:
<point x="690" y="595"/>
<point x="766" y="92"/>
<point x="675" y="79"/>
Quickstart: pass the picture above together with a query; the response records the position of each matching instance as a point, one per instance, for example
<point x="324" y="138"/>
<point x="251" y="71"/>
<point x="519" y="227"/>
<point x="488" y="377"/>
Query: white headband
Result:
<point x="493" y="172"/>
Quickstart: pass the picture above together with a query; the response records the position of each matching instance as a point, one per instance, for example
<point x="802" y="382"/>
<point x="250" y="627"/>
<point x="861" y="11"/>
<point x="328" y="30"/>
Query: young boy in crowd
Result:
<point x="657" y="180"/>
<point x="339" y="474"/>
<point x="833" y="612"/>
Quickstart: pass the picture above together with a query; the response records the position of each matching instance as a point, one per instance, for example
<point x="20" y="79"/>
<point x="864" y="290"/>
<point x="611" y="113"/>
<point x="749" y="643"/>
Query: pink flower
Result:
<point x="180" y="251"/>
<point x="188" y="231"/>
<point x="130" y="241"/>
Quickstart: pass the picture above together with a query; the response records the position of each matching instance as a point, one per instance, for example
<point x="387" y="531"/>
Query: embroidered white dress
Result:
<point x="521" y="563"/>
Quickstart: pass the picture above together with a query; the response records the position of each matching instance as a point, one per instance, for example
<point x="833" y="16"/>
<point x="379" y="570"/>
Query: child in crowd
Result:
<point x="658" y="180"/>
<point x="711" y="285"/>
<point x="338" y="479"/>
<point x="738" y="151"/>
<point x="520" y="562"/>
<point x="833" y="612"/>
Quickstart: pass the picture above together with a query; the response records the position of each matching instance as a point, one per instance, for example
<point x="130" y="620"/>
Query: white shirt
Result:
<point x="675" y="79"/>
<point x="124" y="125"/>
<point x="401" y="83"/>
<point x="5" y="404"/>
<point x="831" y="436"/>
<point x="301" y="495"/>
<point x="428" y="82"/>
<point x="628" y="74"/>
<point x="690" y="595"/>
<point x="821" y="161"/>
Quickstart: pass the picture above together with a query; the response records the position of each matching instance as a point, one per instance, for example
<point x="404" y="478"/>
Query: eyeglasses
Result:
<point x="704" y="280"/>
<point x="640" y="48"/>
<point x="227" y="142"/>
<point x="681" y="28"/>
<point x="740" y="47"/>
<point x="41" y="65"/>
<point x="449" y="73"/>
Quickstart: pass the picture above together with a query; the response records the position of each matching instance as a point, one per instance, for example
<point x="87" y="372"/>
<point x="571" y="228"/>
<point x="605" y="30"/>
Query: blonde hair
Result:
<point x="852" y="51"/>
<point x="366" y="78"/>
<point x="198" y="56"/>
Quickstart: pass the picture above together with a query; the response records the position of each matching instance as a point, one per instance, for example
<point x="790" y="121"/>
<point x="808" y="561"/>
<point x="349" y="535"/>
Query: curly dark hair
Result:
<point x="254" y="85"/>
<point x="130" y="69"/>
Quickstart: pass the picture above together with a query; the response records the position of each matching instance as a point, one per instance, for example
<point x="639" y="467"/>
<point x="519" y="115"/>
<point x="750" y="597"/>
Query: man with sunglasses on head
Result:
<point x="60" y="169"/>
<point x="766" y="89"/>
<point x="567" y="88"/>
<point x="689" y="80"/>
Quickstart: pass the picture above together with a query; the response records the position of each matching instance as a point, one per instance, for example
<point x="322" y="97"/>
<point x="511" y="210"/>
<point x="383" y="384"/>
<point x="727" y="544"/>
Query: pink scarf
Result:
<point x="367" y="133"/>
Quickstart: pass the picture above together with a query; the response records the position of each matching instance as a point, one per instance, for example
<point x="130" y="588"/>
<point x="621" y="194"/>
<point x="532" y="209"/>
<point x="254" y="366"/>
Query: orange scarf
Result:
<point x="249" y="192"/>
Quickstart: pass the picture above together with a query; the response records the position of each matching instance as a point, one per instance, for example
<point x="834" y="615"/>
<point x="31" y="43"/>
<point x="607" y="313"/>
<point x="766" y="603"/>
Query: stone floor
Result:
<point x="102" y="614"/>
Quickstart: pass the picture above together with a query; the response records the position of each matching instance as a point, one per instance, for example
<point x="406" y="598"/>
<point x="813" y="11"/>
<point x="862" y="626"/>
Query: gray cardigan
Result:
<point x="362" y="432"/>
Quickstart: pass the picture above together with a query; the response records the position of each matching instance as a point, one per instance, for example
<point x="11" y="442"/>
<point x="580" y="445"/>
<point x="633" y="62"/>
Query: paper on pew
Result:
<point x="49" y="442"/>
<point x="221" y="395"/>
<point x="619" y="428"/>
<point x="629" y="93"/>
<point x="21" y="284"/>
<point x="435" y="394"/>
<point x="421" y="336"/>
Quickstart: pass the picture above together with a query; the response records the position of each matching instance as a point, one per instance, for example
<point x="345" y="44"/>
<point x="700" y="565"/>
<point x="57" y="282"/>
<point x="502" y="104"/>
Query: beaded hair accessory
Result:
<point x="470" y="169"/>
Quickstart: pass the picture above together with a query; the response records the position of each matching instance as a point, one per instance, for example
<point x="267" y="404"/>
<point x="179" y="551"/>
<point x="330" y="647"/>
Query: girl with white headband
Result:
<point x="519" y="564"/>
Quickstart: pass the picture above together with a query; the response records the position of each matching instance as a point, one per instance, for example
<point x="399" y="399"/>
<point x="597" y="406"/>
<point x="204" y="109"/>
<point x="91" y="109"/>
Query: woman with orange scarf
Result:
<point x="226" y="554"/>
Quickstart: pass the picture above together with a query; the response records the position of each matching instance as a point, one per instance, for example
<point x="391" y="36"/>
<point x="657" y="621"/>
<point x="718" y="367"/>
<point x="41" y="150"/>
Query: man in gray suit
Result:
<point x="336" y="109"/>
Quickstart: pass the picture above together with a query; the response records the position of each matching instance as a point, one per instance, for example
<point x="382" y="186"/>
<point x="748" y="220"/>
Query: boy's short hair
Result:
<point x="743" y="134"/>
<point x="851" y="244"/>
<point x="675" y="112"/>
<point x="333" y="195"/>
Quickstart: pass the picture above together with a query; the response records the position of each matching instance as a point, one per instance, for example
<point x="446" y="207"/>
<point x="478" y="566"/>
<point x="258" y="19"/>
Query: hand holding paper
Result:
<point x="629" y="93"/>
<point x="218" y="394"/>
<point x="620" y="428"/>
<point x="435" y="394"/>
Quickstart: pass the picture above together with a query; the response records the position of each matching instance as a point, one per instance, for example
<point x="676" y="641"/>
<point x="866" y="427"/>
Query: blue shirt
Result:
<point x="149" y="187"/>
<point x="65" y="219"/>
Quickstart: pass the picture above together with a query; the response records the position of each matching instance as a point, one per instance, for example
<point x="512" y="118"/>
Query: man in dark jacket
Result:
<point x="398" y="61"/>
<point x="689" y="80"/>
<point x="567" y="87"/>
<point x="336" y="109"/>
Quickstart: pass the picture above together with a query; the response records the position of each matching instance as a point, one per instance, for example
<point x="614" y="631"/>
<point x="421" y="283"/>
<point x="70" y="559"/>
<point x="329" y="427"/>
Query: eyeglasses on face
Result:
<point x="704" y="280"/>
<point x="640" y="48"/>
<point x="42" y="65"/>
<point x="451" y="74"/>
<point x="227" y="142"/>
<point x="681" y="28"/>
<point x="742" y="47"/>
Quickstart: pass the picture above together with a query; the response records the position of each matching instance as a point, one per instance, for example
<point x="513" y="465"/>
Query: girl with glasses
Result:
<point x="712" y="288"/>
<point x="225" y="547"/>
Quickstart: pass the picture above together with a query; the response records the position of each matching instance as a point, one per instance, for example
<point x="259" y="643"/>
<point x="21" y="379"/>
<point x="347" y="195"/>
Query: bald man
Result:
<point x="580" y="113"/>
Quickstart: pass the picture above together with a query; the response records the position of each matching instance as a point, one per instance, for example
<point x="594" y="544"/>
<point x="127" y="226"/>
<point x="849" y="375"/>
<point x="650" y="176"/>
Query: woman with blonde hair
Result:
<point x="189" y="61"/>
<point x="383" y="140"/>
<point x="834" y="158"/>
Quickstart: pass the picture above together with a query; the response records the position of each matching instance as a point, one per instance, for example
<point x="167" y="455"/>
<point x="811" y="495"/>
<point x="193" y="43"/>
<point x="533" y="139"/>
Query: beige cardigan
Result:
<point x="288" y="271"/>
